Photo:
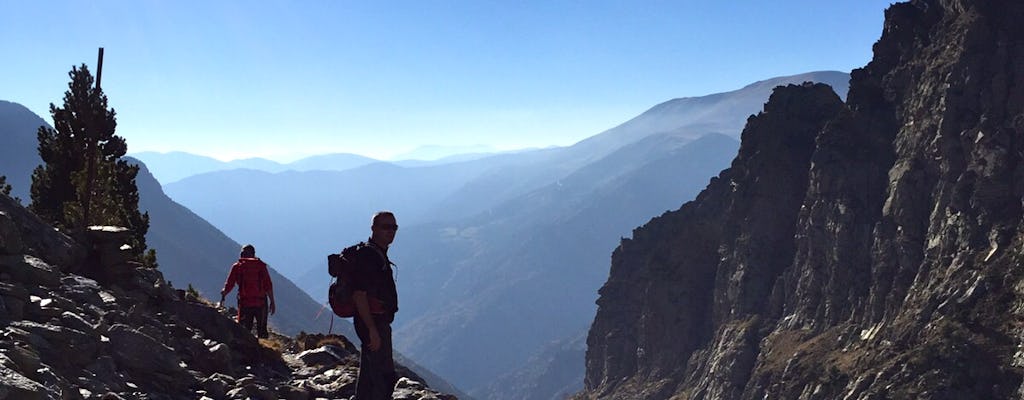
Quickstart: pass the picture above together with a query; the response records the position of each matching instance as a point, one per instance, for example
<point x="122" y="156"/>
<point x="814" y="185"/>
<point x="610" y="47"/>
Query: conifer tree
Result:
<point x="5" y="188"/>
<point x="83" y="180"/>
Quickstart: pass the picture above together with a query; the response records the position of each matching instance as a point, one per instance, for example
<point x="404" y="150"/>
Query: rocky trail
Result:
<point x="79" y="324"/>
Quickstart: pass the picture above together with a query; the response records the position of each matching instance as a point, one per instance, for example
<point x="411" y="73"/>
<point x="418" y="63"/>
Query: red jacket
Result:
<point x="253" y="281"/>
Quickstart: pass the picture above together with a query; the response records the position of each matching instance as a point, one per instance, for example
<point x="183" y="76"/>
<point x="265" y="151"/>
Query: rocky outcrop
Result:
<point x="89" y="324"/>
<point x="857" y="251"/>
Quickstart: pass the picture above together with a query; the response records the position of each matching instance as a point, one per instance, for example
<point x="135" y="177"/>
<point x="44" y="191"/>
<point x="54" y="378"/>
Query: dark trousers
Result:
<point x="246" y="316"/>
<point x="377" y="375"/>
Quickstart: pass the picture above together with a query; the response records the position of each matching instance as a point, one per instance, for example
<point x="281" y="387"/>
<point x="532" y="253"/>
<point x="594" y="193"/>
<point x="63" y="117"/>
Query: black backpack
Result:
<point x="339" y="295"/>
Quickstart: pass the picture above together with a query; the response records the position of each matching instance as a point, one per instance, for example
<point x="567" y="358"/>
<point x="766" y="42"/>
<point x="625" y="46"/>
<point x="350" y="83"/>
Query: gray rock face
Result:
<point x="38" y="238"/>
<point x="122" y="332"/>
<point x="866" y="250"/>
<point x="10" y="239"/>
<point x="30" y="270"/>
<point x="15" y="386"/>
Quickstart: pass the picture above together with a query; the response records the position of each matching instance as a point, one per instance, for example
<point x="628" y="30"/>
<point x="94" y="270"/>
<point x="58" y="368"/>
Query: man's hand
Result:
<point x="273" y="308"/>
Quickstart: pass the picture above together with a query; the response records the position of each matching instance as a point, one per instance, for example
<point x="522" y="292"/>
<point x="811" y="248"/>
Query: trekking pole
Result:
<point x="321" y="312"/>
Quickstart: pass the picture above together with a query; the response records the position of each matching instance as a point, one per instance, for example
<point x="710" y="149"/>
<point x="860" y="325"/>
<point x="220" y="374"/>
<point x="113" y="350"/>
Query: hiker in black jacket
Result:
<point x="376" y="299"/>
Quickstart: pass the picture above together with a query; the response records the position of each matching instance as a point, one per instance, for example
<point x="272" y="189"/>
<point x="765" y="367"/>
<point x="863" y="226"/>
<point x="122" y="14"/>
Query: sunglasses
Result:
<point x="390" y="227"/>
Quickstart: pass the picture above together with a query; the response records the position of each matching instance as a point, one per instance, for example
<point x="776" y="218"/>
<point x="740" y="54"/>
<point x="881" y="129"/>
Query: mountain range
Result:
<point x="173" y="166"/>
<point x="499" y="255"/>
<point x="487" y="241"/>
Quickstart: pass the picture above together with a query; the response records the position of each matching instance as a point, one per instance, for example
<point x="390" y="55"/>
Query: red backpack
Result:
<point x="339" y="295"/>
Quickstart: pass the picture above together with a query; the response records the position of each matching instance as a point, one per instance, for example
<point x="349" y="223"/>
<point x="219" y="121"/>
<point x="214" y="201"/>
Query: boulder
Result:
<point x="29" y="270"/>
<point x="288" y="392"/>
<point x="63" y="347"/>
<point x="104" y="369"/>
<point x="153" y="364"/>
<point x="14" y="386"/>
<point x="327" y="355"/>
<point x="216" y="327"/>
<point x="140" y="352"/>
<point x="12" y="301"/>
<point x="216" y="385"/>
<point x="57" y="387"/>
<point x="10" y="238"/>
<point x="24" y="359"/>
<point x="251" y="387"/>
<point x="85" y="293"/>
<point x="35" y="335"/>
<point x="76" y="322"/>
<point x="220" y="357"/>
<point x="41" y="239"/>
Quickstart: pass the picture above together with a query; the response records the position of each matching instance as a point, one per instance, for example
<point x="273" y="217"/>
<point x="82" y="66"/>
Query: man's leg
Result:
<point x="246" y="316"/>
<point x="364" y="383"/>
<point x="385" y="362"/>
<point x="261" y="322"/>
<point x="377" y="375"/>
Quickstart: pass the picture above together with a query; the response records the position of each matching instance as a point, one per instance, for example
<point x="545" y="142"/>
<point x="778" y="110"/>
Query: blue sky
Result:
<point x="286" y="79"/>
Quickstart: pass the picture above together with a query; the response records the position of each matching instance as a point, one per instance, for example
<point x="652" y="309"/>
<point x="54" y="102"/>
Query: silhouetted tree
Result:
<point x="5" y="188"/>
<point x="83" y="180"/>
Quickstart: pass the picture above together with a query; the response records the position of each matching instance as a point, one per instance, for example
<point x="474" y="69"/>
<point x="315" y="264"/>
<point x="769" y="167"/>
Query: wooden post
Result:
<point x="90" y="152"/>
<point x="99" y="69"/>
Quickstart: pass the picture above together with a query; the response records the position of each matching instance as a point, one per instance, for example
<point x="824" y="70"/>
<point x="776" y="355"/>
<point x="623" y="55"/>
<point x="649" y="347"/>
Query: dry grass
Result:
<point x="190" y="294"/>
<point x="334" y="341"/>
<point x="277" y="345"/>
<point x="272" y="349"/>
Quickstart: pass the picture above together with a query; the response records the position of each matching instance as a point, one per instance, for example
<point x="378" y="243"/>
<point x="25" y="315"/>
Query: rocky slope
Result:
<point x="81" y="325"/>
<point x="190" y="250"/>
<point x="859" y="251"/>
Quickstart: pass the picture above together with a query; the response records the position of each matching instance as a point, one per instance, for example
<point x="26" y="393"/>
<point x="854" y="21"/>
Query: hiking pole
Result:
<point x="317" y="316"/>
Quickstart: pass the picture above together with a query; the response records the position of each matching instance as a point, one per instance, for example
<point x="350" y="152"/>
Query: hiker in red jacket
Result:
<point x="254" y="286"/>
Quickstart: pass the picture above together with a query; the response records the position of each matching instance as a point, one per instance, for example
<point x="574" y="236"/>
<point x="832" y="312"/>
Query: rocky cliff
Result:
<point x="858" y="251"/>
<point x="78" y="324"/>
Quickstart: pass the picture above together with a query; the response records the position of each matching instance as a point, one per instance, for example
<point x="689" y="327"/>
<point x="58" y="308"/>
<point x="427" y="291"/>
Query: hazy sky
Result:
<point x="285" y="79"/>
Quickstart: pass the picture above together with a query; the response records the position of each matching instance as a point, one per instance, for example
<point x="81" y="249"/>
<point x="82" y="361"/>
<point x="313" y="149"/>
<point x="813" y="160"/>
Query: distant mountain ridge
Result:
<point x="176" y="165"/>
<point x="438" y="152"/>
<point x="540" y="250"/>
<point x="486" y="242"/>
<point x="18" y="155"/>
<point x="693" y="116"/>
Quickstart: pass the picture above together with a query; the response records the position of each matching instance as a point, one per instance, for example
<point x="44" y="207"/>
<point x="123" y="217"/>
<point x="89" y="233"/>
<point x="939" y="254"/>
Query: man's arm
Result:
<point x="229" y="284"/>
<point x="270" y="290"/>
<point x="363" y="308"/>
<point x="273" y="305"/>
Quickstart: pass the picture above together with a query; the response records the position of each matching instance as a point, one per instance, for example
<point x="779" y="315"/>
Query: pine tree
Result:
<point x="5" y="188"/>
<point x="83" y="180"/>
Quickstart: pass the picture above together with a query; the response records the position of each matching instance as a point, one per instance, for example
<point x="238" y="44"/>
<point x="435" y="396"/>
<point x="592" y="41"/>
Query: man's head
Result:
<point x="248" y="251"/>
<point x="383" y="227"/>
